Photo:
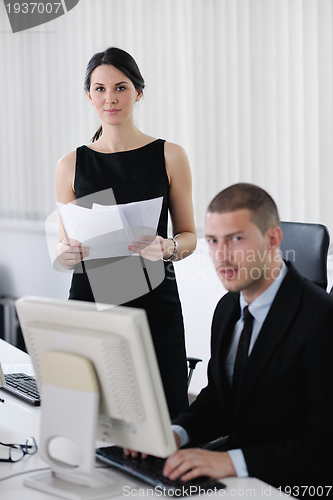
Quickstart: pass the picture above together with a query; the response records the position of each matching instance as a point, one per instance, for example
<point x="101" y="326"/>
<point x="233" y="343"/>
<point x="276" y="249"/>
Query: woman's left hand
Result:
<point x="151" y="247"/>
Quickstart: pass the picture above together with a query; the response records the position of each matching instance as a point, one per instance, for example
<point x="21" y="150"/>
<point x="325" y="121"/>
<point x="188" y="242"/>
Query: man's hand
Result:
<point x="134" y="454"/>
<point x="195" y="462"/>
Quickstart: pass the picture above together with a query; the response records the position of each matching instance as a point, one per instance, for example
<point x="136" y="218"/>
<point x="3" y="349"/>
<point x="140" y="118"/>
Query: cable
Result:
<point x="45" y="468"/>
<point x="25" y="472"/>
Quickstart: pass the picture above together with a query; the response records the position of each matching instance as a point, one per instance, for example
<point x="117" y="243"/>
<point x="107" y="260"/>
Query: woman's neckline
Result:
<point x="124" y="151"/>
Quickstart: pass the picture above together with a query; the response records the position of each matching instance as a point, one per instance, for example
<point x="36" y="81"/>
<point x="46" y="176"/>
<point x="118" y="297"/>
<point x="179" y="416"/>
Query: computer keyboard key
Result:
<point x="23" y="386"/>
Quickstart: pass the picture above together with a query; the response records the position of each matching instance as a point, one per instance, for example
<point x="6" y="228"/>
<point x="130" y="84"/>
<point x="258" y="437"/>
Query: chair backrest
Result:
<point x="306" y="246"/>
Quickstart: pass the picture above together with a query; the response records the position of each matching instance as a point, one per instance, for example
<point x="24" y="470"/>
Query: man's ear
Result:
<point x="274" y="235"/>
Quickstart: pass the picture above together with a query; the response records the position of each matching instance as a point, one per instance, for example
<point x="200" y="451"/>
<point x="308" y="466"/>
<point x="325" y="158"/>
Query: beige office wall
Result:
<point x="244" y="85"/>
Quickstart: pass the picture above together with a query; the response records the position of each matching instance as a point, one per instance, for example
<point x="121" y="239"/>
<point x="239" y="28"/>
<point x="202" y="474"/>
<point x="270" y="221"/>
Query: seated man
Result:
<point x="270" y="377"/>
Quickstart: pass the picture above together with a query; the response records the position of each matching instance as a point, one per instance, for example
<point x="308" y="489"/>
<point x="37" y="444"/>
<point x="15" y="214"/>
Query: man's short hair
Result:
<point x="264" y="212"/>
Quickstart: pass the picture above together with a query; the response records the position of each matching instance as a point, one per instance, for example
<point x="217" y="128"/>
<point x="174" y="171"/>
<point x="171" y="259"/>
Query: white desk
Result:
<point x="18" y="420"/>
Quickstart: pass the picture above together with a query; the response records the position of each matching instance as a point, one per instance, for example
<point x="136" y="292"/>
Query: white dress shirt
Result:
<point x="259" y="309"/>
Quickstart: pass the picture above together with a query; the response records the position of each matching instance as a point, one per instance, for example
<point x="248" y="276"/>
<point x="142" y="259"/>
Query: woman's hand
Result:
<point x="151" y="247"/>
<point x="71" y="252"/>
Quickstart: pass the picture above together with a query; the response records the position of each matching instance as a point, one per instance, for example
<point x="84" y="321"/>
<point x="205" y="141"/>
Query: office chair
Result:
<point x="306" y="246"/>
<point x="192" y="363"/>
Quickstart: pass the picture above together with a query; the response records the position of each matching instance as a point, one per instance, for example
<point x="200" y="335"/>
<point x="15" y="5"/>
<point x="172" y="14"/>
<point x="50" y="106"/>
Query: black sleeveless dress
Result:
<point x="138" y="175"/>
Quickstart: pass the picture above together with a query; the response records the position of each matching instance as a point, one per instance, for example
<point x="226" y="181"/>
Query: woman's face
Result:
<point x="113" y="94"/>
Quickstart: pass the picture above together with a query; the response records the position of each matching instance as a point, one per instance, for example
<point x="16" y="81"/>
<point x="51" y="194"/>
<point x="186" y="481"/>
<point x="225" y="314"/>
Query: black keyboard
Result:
<point x="150" y="470"/>
<point x="24" y="386"/>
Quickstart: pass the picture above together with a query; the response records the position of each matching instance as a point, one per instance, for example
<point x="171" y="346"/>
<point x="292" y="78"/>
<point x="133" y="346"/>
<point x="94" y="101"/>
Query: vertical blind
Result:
<point x="245" y="86"/>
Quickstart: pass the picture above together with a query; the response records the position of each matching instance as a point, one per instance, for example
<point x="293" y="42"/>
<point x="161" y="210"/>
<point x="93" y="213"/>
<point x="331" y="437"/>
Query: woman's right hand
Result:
<point x="71" y="252"/>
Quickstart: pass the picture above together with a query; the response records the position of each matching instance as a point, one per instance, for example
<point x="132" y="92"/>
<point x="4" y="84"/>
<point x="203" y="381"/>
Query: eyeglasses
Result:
<point x="17" y="451"/>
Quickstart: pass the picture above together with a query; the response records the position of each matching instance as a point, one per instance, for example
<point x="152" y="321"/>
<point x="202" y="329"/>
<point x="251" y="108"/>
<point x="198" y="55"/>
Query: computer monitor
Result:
<point x="2" y="377"/>
<point x="98" y="377"/>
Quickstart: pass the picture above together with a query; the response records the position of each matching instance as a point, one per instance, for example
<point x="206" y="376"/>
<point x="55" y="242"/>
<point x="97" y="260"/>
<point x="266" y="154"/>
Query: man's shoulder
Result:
<point x="301" y="303"/>
<point x="315" y="299"/>
<point x="228" y="301"/>
<point x="311" y="292"/>
<point x="228" y="298"/>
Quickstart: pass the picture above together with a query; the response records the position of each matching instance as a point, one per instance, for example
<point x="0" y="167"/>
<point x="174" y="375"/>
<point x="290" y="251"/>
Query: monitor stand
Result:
<point x="102" y="487"/>
<point x="70" y="406"/>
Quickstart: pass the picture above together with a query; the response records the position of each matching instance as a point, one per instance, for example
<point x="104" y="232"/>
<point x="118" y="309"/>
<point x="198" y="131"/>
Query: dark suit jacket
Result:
<point x="283" y="417"/>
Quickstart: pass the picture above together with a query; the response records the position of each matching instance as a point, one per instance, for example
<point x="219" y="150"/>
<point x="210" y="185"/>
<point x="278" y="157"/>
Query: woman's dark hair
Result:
<point x="121" y="60"/>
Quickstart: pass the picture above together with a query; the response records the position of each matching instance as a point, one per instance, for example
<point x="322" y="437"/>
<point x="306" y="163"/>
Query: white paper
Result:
<point x="108" y="230"/>
<point x="138" y="213"/>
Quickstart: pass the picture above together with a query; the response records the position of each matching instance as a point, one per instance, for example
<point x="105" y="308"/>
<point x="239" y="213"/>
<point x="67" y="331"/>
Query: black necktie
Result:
<point x="243" y="349"/>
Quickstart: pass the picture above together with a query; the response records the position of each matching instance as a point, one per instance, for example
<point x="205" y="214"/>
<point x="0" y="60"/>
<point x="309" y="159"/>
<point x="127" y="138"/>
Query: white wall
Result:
<point x="245" y="86"/>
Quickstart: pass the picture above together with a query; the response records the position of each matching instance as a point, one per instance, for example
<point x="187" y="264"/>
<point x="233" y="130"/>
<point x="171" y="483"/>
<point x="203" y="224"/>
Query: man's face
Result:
<point x="241" y="254"/>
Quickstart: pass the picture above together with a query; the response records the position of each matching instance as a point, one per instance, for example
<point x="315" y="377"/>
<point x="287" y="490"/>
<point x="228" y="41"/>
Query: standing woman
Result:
<point x="136" y="167"/>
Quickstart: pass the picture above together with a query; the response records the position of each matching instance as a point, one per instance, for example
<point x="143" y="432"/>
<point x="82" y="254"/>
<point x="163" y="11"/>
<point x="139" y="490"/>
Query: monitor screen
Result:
<point x="132" y="410"/>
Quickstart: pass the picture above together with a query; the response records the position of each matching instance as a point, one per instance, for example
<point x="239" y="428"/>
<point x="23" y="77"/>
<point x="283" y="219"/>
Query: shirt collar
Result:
<point x="260" y="306"/>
